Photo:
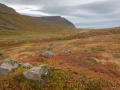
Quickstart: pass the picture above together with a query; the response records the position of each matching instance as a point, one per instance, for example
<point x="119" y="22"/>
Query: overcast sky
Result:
<point x="83" y="13"/>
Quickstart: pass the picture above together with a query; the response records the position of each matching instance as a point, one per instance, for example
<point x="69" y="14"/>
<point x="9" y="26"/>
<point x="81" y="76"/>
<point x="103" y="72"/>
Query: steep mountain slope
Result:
<point x="6" y="10"/>
<point x="58" y="20"/>
<point x="10" y="19"/>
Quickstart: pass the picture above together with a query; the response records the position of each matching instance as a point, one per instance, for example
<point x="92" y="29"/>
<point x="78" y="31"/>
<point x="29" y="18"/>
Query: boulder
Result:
<point x="8" y="66"/>
<point x="37" y="73"/>
<point x="26" y="65"/>
<point x="48" y="54"/>
<point x="66" y="51"/>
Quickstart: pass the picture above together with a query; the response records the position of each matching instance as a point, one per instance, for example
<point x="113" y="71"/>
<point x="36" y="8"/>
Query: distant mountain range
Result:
<point x="11" y="20"/>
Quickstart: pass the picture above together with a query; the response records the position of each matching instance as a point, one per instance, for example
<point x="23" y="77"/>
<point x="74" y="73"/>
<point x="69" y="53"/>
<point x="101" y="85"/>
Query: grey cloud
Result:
<point x="100" y="7"/>
<point x="57" y="10"/>
<point x="30" y="2"/>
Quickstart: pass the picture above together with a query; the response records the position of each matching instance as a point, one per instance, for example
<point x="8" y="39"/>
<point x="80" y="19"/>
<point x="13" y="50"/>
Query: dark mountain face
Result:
<point x="58" y="20"/>
<point x="6" y="10"/>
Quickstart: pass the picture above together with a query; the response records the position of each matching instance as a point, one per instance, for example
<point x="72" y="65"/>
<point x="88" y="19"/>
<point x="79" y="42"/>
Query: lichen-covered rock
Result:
<point x="66" y="51"/>
<point x="51" y="46"/>
<point x="8" y="66"/>
<point x="48" y="54"/>
<point x="26" y="65"/>
<point x="24" y="56"/>
<point x="36" y="73"/>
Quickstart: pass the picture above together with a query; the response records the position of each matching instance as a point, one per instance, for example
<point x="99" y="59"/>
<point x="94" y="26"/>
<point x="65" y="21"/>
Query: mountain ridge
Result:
<point x="11" y="20"/>
<point x="58" y="20"/>
<point x="6" y="10"/>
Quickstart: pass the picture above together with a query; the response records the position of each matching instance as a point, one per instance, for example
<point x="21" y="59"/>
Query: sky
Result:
<point x="83" y="13"/>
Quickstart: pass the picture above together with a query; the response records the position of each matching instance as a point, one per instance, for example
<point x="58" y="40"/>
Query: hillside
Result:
<point x="58" y="20"/>
<point x="6" y="10"/>
<point x="11" y="20"/>
<point x="15" y="26"/>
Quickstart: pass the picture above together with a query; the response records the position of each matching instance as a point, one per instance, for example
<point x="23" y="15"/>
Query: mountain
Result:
<point x="6" y="10"/>
<point x="58" y="20"/>
<point x="11" y="20"/>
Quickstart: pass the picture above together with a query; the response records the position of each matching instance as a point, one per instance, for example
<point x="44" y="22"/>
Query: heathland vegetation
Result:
<point x="83" y="59"/>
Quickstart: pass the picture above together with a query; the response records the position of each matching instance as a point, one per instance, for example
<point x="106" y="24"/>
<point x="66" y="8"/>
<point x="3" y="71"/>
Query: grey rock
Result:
<point x="37" y="73"/>
<point x="26" y="65"/>
<point x="51" y="46"/>
<point x="24" y="56"/>
<point x="8" y="66"/>
<point x="66" y="51"/>
<point x="48" y="54"/>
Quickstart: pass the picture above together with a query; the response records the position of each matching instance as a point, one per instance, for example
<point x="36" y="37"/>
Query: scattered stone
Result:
<point x="47" y="54"/>
<point x="8" y="66"/>
<point x="0" y="54"/>
<point x="66" y="51"/>
<point x="24" y="56"/>
<point x="26" y="65"/>
<point x="37" y="73"/>
<point x="51" y="46"/>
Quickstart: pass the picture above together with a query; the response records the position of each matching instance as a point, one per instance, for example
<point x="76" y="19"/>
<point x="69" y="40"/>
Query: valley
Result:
<point x="83" y="59"/>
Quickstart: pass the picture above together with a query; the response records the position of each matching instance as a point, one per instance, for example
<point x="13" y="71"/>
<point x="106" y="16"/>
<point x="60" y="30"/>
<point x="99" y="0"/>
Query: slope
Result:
<point x="13" y="24"/>
<point x="58" y="20"/>
<point x="10" y="19"/>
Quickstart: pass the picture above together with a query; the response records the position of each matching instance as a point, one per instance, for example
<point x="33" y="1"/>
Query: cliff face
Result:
<point x="58" y="20"/>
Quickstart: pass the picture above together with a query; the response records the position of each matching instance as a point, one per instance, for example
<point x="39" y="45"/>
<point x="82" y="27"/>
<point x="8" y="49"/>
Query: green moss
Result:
<point x="43" y="66"/>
